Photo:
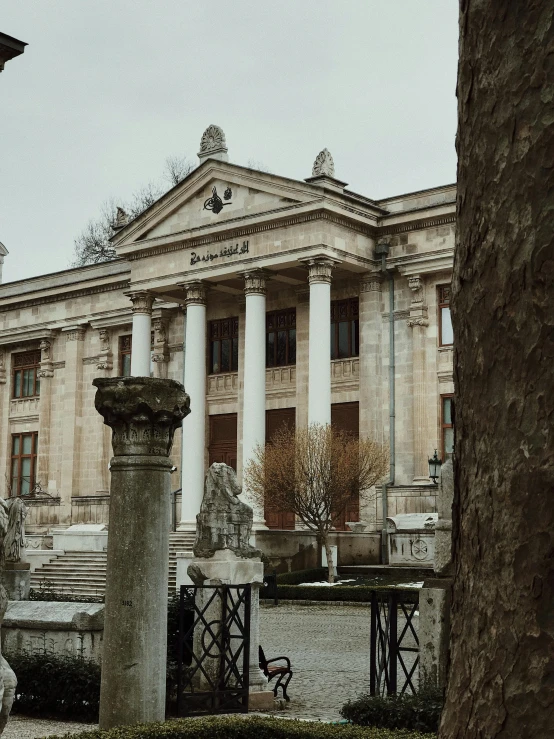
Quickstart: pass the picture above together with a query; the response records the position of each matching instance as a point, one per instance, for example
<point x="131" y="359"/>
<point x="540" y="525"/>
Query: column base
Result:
<point x="422" y="481"/>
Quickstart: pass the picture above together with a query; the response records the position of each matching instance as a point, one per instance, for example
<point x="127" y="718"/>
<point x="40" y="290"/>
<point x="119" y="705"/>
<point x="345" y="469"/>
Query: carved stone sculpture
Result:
<point x="8" y="680"/>
<point x="121" y="218"/>
<point x="324" y="164"/>
<point x="224" y="521"/>
<point x="443" y="527"/>
<point x="14" y="540"/>
<point x="213" y="139"/>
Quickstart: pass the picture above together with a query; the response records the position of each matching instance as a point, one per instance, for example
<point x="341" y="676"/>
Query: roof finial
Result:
<point x="323" y="164"/>
<point x="213" y="145"/>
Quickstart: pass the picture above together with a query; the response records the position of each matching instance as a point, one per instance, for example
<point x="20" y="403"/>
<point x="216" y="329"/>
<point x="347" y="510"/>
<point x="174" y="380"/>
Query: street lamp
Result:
<point x="434" y="467"/>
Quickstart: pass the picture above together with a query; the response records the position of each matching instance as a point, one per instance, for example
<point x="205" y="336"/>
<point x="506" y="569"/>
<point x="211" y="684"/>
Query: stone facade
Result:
<point x="184" y="263"/>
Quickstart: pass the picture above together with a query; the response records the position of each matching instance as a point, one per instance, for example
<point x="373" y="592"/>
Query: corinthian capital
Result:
<point x="195" y="292"/>
<point x="255" y="282"/>
<point x="142" y="302"/>
<point x="320" y="269"/>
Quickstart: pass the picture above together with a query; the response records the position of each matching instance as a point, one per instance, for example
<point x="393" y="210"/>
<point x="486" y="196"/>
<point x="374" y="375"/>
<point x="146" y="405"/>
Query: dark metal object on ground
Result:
<point x="283" y="673"/>
<point x="270" y="583"/>
<point x="213" y="649"/>
<point x="391" y="612"/>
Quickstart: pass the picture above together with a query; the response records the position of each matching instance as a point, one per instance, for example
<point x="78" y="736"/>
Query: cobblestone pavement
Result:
<point x="328" y="647"/>
<point x="21" y="727"/>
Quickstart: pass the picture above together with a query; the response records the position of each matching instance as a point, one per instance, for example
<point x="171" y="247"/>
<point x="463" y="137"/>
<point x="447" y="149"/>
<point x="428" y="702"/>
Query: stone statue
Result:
<point x="443" y="527"/>
<point x="8" y="680"/>
<point x="14" y="540"/>
<point x="224" y="521"/>
<point x="324" y="164"/>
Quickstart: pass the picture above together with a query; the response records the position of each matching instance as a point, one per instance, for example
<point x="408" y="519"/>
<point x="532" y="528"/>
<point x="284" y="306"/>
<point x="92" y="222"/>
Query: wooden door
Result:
<point x="223" y="439"/>
<point x="346" y="417"/>
<point x="275" y="420"/>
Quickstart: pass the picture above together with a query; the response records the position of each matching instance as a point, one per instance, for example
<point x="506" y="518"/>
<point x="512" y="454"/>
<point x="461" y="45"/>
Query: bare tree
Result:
<point x="501" y="672"/>
<point x="260" y="166"/>
<point x="315" y="473"/>
<point x="93" y="245"/>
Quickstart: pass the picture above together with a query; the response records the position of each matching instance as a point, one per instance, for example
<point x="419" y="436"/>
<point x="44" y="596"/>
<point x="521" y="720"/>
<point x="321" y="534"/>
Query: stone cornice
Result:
<point x="26" y="302"/>
<point x="414" y="225"/>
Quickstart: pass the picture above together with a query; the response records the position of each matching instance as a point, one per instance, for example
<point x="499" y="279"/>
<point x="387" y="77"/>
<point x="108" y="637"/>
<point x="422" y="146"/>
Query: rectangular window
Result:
<point x="26" y="382"/>
<point x="345" y="328"/>
<point x="125" y="349"/>
<point x="125" y="352"/>
<point x="446" y="335"/>
<point x="23" y="463"/>
<point x="224" y="345"/>
<point x="447" y="426"/>
<point x="280" y="348"/>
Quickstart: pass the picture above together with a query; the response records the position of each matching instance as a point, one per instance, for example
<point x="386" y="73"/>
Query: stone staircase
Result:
<point x="83" y="574"/>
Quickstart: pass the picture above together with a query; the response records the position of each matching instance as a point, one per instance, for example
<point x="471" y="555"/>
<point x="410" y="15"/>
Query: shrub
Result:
<point x="57" y="686"/>
<point x="47" y="592"/>
<point x="246" y="728"/>
<point x="317" y="574"/>
<point x="420" y="712"/>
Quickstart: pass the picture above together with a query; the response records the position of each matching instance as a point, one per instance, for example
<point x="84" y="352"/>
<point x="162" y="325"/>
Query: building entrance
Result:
<point x="223" y="439"/>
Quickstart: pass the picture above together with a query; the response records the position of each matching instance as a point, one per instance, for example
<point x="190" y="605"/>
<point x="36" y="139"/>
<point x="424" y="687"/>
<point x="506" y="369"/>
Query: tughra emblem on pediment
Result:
<point x="324" y="164"/>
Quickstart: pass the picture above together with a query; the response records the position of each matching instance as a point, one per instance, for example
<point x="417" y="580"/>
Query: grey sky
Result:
<point x="106" y="90"/>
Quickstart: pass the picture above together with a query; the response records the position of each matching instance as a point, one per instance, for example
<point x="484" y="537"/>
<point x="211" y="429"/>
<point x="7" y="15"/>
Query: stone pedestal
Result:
<point x="143" y="413"/>
<point x="16" y="580"/>
<point x="434" y="632"/>
<point x="225" y="567"/>
<point x="443" y="527"/>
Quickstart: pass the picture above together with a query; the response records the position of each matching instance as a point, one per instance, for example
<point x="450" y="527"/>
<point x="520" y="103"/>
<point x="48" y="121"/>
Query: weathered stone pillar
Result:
<point x="143" y="413"/>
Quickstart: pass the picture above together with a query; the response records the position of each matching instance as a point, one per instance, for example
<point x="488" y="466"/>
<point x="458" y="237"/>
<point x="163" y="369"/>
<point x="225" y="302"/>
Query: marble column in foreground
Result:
<point x="194" y="378"/>
<point x="319" y="370"/>
<point x="253" y="431"/>
<point x="142" y="333"/>
<point x="143" y="413"/>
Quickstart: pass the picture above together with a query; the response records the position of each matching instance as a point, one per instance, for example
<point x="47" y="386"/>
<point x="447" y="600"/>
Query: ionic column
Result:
<point x="193" y="469"/>
<point x="253" y="415"/>
<point x="143" y="413"/>
<point x="142" y="333"/>
<point x="319" y="371"/>
<point x="418" y="322"/>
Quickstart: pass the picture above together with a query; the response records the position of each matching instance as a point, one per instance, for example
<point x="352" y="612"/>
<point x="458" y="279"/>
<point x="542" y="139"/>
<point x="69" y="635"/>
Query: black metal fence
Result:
<point x="394" y="668"/>
<point x="213" y="649"/>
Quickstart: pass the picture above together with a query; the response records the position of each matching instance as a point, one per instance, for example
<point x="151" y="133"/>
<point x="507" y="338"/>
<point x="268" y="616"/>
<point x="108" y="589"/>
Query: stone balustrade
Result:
<point x="24" y="407"/>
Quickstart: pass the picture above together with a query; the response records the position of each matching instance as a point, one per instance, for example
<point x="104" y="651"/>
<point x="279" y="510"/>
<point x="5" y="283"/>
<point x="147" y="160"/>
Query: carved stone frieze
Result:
<point x="195" y="293"/>
<point x="255" y="282"/>
<point x="418" y="309"/>
<point x="142" y="302"/>
<point x="143" y="412"/>
<point x="213" y="140"/>
<point x="324" y="164"/>
<point x="46" y="363"/>
<point x="105" y="358"/>
<point x="418" y="321"/>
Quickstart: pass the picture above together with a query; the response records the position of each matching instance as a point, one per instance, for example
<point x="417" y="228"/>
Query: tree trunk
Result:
<point x="329" y="555"/>
<point x="501" y="673"/>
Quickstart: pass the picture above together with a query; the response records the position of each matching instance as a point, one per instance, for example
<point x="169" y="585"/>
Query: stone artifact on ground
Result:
<point x="8" y="681"/>
<point x="443" y="527"/>
<point x="223" y="554"/>
<point x="143" y="413"/>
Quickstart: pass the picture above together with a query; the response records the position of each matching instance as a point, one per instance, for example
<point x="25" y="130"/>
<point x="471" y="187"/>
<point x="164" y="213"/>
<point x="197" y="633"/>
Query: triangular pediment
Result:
<point x="215" y="193"/>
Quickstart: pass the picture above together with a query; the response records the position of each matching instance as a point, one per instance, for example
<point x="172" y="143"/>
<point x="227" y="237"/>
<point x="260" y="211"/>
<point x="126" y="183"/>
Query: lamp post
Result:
<point x="434" y="467"/>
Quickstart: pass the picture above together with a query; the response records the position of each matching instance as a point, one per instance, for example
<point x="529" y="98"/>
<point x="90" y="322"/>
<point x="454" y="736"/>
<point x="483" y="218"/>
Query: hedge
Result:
<point x="246" y="728"/>
<point x="56" y="686"/>
<point x="421" y="711"/>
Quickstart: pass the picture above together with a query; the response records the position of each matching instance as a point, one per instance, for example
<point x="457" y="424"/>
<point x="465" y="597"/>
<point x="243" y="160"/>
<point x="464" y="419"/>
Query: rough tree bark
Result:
<point x="501" y="675"/>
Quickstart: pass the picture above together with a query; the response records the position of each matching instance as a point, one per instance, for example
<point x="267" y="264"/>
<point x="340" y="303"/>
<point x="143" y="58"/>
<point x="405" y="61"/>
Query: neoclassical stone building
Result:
<point x="272" y="298"/>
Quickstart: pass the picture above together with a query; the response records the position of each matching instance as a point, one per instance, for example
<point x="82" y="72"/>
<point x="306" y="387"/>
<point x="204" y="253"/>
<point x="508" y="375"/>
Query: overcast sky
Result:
<point x="107" y="89"/>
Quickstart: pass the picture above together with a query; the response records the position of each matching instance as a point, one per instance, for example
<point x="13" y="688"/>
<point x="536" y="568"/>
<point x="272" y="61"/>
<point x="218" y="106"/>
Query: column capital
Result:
<point x="371" y="282"/>
<point x="104" y="359"/>
<point x="46" y="365"/>
<point x="319" y="269"/>
<point x="142" y="301"/>
<point x="255" y="281"/>
<point x="195" y="292"/>
<point x="143" y="413"/>
<point x="76" y="333"/>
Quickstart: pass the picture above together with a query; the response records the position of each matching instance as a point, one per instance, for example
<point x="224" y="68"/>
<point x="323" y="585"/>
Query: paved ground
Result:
<point x="329" y="650"/>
